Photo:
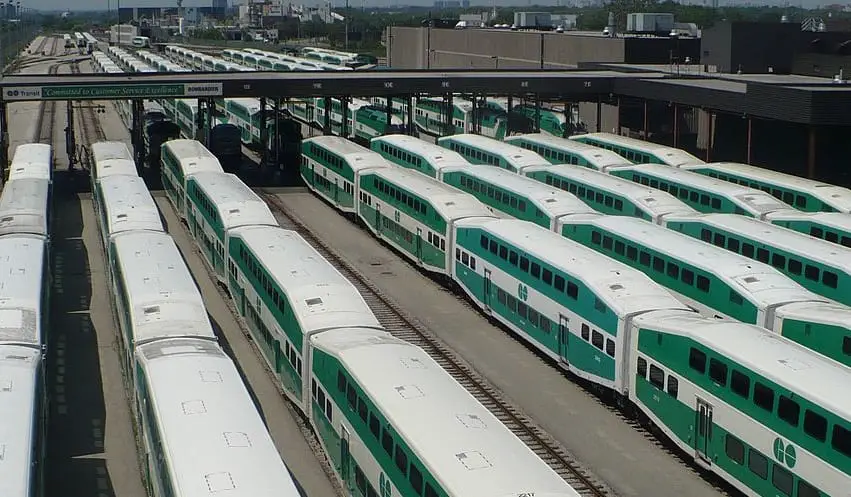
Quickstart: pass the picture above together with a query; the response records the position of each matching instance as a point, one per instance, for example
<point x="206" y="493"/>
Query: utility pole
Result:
<point x="347" y="25"/>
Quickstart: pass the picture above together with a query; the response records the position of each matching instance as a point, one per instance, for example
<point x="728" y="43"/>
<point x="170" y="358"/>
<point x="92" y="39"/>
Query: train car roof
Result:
<point x="437" y="156"/>
<point x="24" y="206"/>
<point x="784" y="362"/>
<point x="836" y="196"/>
<point x="236" y="204"/>
<point x="517" y="156"/>
<point x="760" y="283"/>
<point x="792" y="241"/>
<point x="19" y="382"/>
<point x="127" y="205"/>
<point x="321" y="297"/>
<point x="830" y="313"/>
<point x="356" y="156"/>
<point x="599" y="157"/>
<point x="110" y="150"/>
<point x="756" y="201"/>
<point x="193" y="156"/>
<point x="554" y="202"/>
<point x="215" y="440"/>
<point x="32" y="160"/>
<point x="23" y="266"/>
<point x="672" y="156"/>
<point x="838" y="220"/>
<point x="475" y="455"/>
<point x="624" y="289"/>
<point x="449" y="202"/>
<point x="161" y="295"/>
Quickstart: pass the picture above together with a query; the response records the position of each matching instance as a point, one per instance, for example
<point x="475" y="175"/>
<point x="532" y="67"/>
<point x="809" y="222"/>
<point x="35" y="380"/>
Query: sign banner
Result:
<point x="117" y="91"/>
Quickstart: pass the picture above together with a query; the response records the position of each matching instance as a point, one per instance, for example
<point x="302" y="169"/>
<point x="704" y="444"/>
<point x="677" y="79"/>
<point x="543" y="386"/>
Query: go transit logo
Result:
<point x="785" y="453"/>
<point x="384" y="486"/>
<point x="522" y="292"/>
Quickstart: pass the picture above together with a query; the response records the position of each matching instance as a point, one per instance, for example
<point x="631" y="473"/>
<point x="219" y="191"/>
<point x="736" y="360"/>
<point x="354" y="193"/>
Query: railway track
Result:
<point x="46" y="116"/>
<point x="396" y="321"/>
<point x="89" y="122"/>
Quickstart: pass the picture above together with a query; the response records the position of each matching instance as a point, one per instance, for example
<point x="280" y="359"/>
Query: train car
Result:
<point x="110" y="158"/>
<point x="762" y="412"/>
<point x="32" y="160"/>
<point x="25" y="207"/>
<point x="158" y="132"/>
<point x="68" y="42"/>
<point x="823" y="327"/>
<point x="818" y="265"/>
<point x="25" y="306"/>
<point x="413" y="153"/>
<point x="330" y="166"/>
<point x="415" y="214"/>
<point x="702" y="193"/>
<point x="226" y="145"/>
<point x="141" y="42"/>
<point x="611" y="195"/>
<point x="482" y="150"/>
<point x="181" y="159"/>
<point x="834" y="227"/>
<point x="125" y="204"/>
<point x="363" y="413"/>
<point x="804" y="194"/>
<point x="155" y="295"/>
<point x="566" y="300"/>
<point x="563" y="151"/>
<point x="638" y="151"/>
<point x="370" y="122"/>
<point x="286" y="292"/>
<point x="515" y="195"/>
<point x="199" y="427"/>
<point x="215" y="204"/>
<point x="430" y="118"/>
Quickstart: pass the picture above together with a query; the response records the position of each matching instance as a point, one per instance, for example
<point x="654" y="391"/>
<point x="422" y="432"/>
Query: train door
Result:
<point x="486" y="295"/>
<point x="419" y="242"/>
<point x="336" y="192"/>
<point x="345" y="456"/>
<point x="279" y="357"/>
<point x="563" y="335"/>
<point x="378" y="218"/>
<point x="703" y="431"/>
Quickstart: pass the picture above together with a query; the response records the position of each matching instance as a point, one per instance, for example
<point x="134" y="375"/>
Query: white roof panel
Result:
<point x="22" y="270"/>
<point x="624" y="289"/>
<point x="601" y="158"/>
<point x="24" y="206"/>
<point x="19" y="380"/>
<point x="32" y="160"/>
<point x="840" y="221"/>
<point x="357" y="156"/>
<point x="437" y="156"/>
<point x="475" y="455"/>
<point x="128" y="205"/>
<point x="213" y="437"/>
<point x="830" y="313"/>
<point x="236" y="204"/>
<point x="518" y="157"/>
<point x="672" y="156"/>
<point x="110" y="150"/>
<point x="160" y="292"/>
<point x="193" y="156"/>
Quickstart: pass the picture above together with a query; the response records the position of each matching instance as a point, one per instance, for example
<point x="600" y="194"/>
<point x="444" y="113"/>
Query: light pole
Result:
<point x="347" y="25"/>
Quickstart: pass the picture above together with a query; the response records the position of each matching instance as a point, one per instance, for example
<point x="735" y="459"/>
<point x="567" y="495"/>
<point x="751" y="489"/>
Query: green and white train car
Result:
<point x="805" y="194"/>
<point x="479" y="149"/>
<point x="409" y="429"/>
<point x="420" y="155"/>
<point x="638" y="151"/>
<point x="331" y="165"/>
<point x="834" y="227"/>
<point x="568" y="301"/>
<point x="611" y="195"/>
<point x="217" y="203"/>
<point x="180" y="160"/>
<point x="514" y="195"/>
<point x="703" y="193"/>
<point x="415" y="214"/>
<point x="563" y="151"/>
<point x="764" y="413"/>
<point x="429" y="117"/>
<point x="818" y="265"/>
<point x="286" y="292"/>
<point x="186" y="113"/>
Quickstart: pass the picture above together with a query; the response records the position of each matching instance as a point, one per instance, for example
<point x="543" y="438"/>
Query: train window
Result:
<point x="472" y="263"/>
<point x="500" y="296"/>
<point x="597" y="339"/>
<point x="683" y="194"/>
<point x="581" y="191"/>
<point x="687" y="276"/>
<point x="658" y="264"/>
<point x="697" y="360"/>
<point x="811" y="273"/>
<point x="644" y="258"/>
<point x="782" y="480"/>
<point x="536" y="270"/>
<point x="762" y="255"/>
<point x="341" y="382"/>
<point x="643" y="180"/>
<point x="703" y="283"/>
<point x="716" y="203"/>
<point x="663" y="185"/>
<point x="490" y="192"/>
<point x="492" y="247"/>
<point x="816" y="232"/>
<point x="522" y="205"/>
<point x="642" y="368"/>
<point x="747" y="250"/>
<point x="362" y="410"/>
<point x="610" y="347"/>
<point x="619" y="204"/>
<point x="736" y="298"/>
<point x="465" y="258"/>
<point x="559" y="283"/>
<point x="795" y="266"/>
<point x="374" y="426"/>
<point x="758" y="464"/>
<point x="829" y="279"/>
<point x="351" y="396"/>
<point x="705" y="235"/>
<point x="673" y="270"/>
<point x="846" y="345"/>
<point x="631" y="253"/>
<point x="513" y="202"/>
<point x="778" y="261"/>
<point x="320" y="397"/>
<point x="360" y="481"/>
<point x="841" y="440"/>
<point x="416" y="479"/>
<point x="503" y="252"/>
<point x="522" y="310"/>
<point x="512" y="258"/>
<point x="815" y="425"/>
<point x="599" y="305"/>
<point x="789" y="197"/>
<point x="524" y="263"/>
<point x="788" y="410"/>
<point x="740" y="384"/>
<point x="512" y="302"/>
<point x="719" y="240"/>
<point x="735" y="449"/>
<point x="654" y="183"/>
<point x="831" y="237"/>
<point x="483" y="241"/>
<point x="401" y="460"/>
<point x="673" y="386"/>
<point x="694" y="196"/>
<point x="807" y="490"/>
<point x="572" y="290"/>
<point x="533" y="317"/>
<point x="674" y="190"/>
<point x="800" y="201"/>
<point x="387" y="441"/>
<point x="598" y="197"/>
<point x="619" y="247"/>
<point x="585" y="331"/>
<point x="607" y="242"/>
<point x="718" y="372"/>
<point x="704" y="199"/>
<point x="547" y="276"/>
<point x="657" y="377"/>
<point x="548" y="180"/>
<point x="763" y="396"/>
<point x="733" y="244"/>
<point x="609" y="201"/>
<point x="429" y="491"/>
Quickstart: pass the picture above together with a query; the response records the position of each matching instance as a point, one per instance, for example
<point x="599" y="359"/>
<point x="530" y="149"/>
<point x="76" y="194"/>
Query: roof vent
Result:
<point x="616" y="287"/>
<point x="794" y="364"/>
<point x="193" y="407"/>
<point x="154" y="309"/>
<point x="751" y="279"/>
<point x="121" y="216"/>
<point x="410" y="391"/>
<point x="313" y="301"/>
<point x="237" y="439"/>
<point x="412" y="363"/>
<point x="210" y="376"/>
<point x="219" y="482"/>
<point x="471" y="421"/>
<point x="5" y="384"/>
<point x="473" y="459"/>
